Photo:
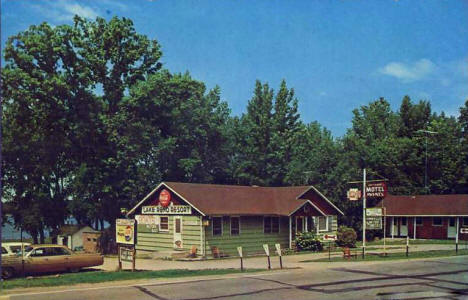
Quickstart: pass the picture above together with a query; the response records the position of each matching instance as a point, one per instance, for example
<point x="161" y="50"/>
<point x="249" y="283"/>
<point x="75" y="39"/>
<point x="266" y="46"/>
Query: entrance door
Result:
<point x="452" y="228"/>
<point x="178" y="232"/>
<point x="299" y="224"/>
<point x="403" y="226"/>
<point x="394" y="231"/>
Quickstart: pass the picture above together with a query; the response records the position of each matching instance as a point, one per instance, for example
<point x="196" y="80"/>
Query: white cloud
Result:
<point x="409" y="72"/>
<point x="62" y="10"/>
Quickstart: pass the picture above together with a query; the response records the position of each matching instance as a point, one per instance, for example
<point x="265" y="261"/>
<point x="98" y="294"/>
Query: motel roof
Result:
<point x="213" y="199"/>
<point x="426" y="205"/>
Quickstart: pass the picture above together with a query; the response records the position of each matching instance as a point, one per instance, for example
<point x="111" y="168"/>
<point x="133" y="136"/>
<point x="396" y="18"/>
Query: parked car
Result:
<point x="12" y="248"/>
<point x="48" y="259"/>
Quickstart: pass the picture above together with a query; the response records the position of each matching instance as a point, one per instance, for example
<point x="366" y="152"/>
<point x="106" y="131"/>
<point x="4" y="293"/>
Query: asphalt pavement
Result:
<point x="437" y="278"/>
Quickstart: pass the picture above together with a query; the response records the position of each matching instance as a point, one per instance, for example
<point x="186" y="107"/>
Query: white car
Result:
<point x="10" y="249"/>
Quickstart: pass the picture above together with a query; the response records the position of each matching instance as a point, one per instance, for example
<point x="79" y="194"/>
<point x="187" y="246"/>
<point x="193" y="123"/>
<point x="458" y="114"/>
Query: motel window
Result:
<point x="451" y="222"/>
<point x="465" y="221"/>
<point x="235" y="225"/>
<point x="217" y="225"/>
<point x="323" y="224"/>
<point x="419" y="221"/>
<point x="164" y="224"/>
<point x="436" y="221"/>
<point x="403" y="221"/>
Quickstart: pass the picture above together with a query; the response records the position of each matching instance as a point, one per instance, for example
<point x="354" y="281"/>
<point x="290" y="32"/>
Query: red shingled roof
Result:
<point x="212" y="199"/>
<point x="426" y="205"/>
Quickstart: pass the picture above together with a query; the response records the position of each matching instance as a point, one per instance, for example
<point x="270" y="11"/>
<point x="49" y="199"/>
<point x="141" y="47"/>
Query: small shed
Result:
<point x="72" y="235"/>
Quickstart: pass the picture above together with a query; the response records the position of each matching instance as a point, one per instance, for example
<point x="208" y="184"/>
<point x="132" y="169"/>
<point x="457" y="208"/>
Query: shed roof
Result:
<point x="213" y="199"/>
<point x="72" y="229"/>
<point x="426" y="205"/>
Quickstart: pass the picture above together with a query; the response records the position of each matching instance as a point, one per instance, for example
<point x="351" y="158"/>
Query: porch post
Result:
<point x="458" y="229"/>
<point x="290" y="232"/>
<point x="305" y="224"/>
<point x="414" y="228"/>
<point x="393" y="229"/>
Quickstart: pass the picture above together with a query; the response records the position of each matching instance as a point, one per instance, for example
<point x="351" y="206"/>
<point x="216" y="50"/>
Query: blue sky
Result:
<point x="337" y="55"/>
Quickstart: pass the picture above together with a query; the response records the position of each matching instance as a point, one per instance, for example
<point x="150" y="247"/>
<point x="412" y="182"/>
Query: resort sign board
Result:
<point x="169" y="210"/>
<point x="354" y="194"/>
<point x="376" y="190"/>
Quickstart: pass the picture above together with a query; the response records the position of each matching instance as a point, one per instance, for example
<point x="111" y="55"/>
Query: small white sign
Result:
<point x="464" y="230"/>
<point x="374" y="212"/>
<point x="329" y="237"/>
<point x="278" y="249"/>
<point x="147" y="219"/>
<point x="239" y="250"/>
<point x="267" y="250"/>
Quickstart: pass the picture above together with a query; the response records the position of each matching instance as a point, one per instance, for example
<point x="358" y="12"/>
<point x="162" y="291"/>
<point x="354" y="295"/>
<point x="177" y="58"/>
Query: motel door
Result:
<point x="451" y="228"/>
<point x="403" y="226"/>
<point x="178" y="232"/>
<point x="394" y="231"/>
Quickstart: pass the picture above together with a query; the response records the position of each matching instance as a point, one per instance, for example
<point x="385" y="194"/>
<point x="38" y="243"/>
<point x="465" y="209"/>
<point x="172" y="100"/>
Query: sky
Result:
<point x="337" y="55"/>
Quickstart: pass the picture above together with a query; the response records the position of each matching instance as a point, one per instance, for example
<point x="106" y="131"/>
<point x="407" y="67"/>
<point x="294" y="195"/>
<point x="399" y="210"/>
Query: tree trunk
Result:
<point x="41" y="236"/>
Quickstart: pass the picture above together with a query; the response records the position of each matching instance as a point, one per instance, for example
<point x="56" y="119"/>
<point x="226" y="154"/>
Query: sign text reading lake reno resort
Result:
<point x="169" y="210"/>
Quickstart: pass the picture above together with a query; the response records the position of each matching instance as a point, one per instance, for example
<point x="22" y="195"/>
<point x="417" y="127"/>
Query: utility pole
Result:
<point x="364" y="212"/>
<point x="425" y="168"/>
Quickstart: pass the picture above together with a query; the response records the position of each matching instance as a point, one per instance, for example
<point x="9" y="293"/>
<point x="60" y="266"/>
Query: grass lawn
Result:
<point x="100" y="276"/>
<point x="400" y="241"/>
<point x="393" y="256"/>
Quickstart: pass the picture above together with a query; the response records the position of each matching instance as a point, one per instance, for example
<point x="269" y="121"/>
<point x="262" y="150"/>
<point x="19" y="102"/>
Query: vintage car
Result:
<point x="12" y="248"/>
<point x="48" y="259"/>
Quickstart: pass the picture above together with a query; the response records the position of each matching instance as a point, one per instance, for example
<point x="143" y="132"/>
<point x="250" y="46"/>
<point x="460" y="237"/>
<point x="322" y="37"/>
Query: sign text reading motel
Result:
<point x="376" y="190"/>
<point x="169" y="210"/>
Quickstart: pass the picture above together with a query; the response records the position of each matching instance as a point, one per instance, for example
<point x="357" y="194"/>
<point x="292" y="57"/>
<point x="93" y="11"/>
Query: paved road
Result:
<point x="443" y="278"/>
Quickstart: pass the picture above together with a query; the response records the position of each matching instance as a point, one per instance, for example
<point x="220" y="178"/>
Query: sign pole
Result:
<point x="407" y="246"/>
<point x="456" y="236"/>
<point x="364" y="213"/>
<point x="278" y="250"/>
<point x="133" y="260"/>
<point x="239" y="249"/>
<point x="120" y="259"/>
<point x="385" y="230"/>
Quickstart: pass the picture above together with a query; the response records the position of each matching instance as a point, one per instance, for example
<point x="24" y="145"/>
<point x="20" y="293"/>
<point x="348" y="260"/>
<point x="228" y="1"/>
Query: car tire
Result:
<point x="74" y="270"/>
<point x="8" y="273"/>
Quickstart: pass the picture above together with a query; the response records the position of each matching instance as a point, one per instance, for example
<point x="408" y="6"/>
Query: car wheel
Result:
<point x="74" y="270"/>
<point x="7" y="273"/>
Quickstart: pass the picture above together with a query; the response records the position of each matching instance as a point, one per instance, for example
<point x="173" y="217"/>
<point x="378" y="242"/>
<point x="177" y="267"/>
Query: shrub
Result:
<point x="346" y="237"/>
<point x="308" y="241"/>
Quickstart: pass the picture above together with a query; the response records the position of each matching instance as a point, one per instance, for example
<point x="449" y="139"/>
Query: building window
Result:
<point x="419" y="221"/>
<point x="270" y="224"/>
<point x="217" y="225"/>
<point x="266" y="224"/>
<point x="275" y="225"/>
<point x="235" y="225"/>
<point x="465" y="221"/>
<point x="436" y="221"/>
<point x="164" y="224"/>
<point x="403" y="221"/>
<point x="323" y="223"/>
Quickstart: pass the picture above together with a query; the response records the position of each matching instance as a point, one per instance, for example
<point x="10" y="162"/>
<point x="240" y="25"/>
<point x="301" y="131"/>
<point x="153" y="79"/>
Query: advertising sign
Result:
<point x="267" y="250"/>
<point x="374" y="223"/>
<point x="125" y="231"/>
<point x="169" y="210"/>
<point x="126" y="254"/>
<point x="374" y="212"/>
<point x="147" y="220"/>
<point x="376" y="189"/>
<point x="164" y="198"/>
<point x="354" y="194"/>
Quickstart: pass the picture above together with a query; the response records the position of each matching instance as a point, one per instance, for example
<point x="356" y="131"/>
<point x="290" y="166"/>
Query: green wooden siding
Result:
<point x="164" y="241"/>
<point x="251" y="237"/>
